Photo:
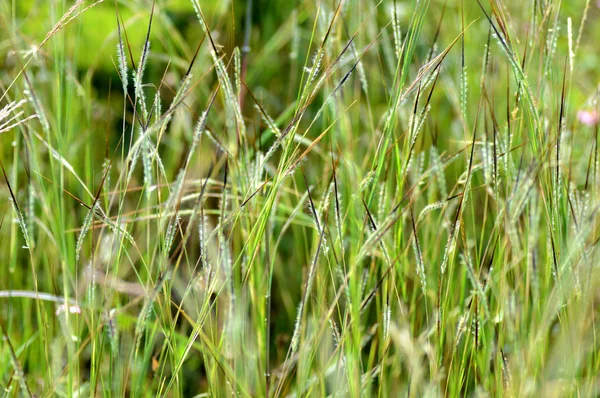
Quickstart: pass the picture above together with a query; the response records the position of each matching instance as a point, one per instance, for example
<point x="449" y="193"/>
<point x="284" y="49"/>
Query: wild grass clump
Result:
<point x="349" y="198"/>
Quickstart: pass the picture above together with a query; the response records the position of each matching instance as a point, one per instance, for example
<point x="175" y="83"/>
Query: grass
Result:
<point x="311" y="198"/>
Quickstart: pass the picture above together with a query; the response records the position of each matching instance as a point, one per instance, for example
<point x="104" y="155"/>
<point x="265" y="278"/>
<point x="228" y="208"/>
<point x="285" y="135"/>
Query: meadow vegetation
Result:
<point x="299" y="198"/>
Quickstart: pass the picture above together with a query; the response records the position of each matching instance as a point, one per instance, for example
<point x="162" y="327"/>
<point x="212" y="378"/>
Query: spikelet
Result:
<point x="314" y="70"/>
<point x="558" y="168"/>
<point x="486" y="60"/>
<point x="121" y="59"/>
<point x="147" y="151"/>
<point x="463" y="93"/>
<point x="420" y="265"/>
<point x="157" y="107"/>
<point x="106" y="172"/>
<point x="175" y="192"/>
<point x="116" y="229"/>
<point x="460" y="329"/>
<point x="7" y="123"/>
<point x="292" y="169"/>
<point x="505" y="148"/>
<point x="214" y="141"/>
<point x="183" y="88"/>
<point x="272" y="150"/>
<point x="231" y="102"/>
<point x="450" y="245"/>
<point x="387" y="317"/>
<point x="415" y="125"/>
<point x="570" y="42"/>
<point x="198" y="11"/>
<point x="140" y="325"/>
<point x="551" y="41"/>
<point x="338" y="219"/>
<point x="549" y="256"/>
<point x="132" y="164"/>
<point x="87" y="223"/>
<point x="268" y="121"/>
<point x="309" y="283"/>
<point x="203" y="238"/>
<point x="18" y="373"/>
<point x="525" y="90"/>
<point x="295" y="42"/>
<point x="466" y="260"/>
<point x="138" y="80"/>
<point x="313" y="212"/>
<point x="145" y="133"/>
<point x="522" y="200"/>
<point x="324" y="205"/>
<point x="196" y="136"/>
<point x="335" y="333"/>
<point x="199" y="129"/>
<point x="364" y="184"/>
<point x="432" y="76"/>
<point x="30" y="211"/>
<point x="21" y="221"/>
<point x="421" y="121"/>
<point x="222" y="242"/>
<point x="258" y="170"/>
<point x="91" y="287"/>
<point x="170" y="235"/>
<point x="430" y="207"/>
<point x="362" y="76"/>
<point x="297" y="328"/>
<point x="438" y="169"/>
<point x="325" y="15"/>
<point x="227" y="267"/>
<point x="237" y="69"/>
<point x="397" y="34"/>
<point x="382" y="208"/>
<point x="486" y="161"/>
<point x="417" y="169"/>
<point x="338" y="224"/>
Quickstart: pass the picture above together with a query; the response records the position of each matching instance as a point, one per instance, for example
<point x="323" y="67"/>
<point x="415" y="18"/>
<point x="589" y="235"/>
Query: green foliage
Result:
<point x="309" y="198"/>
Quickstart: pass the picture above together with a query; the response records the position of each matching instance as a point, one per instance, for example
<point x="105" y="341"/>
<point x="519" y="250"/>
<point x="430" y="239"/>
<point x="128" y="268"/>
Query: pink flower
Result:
<point x="589" y="118"/>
